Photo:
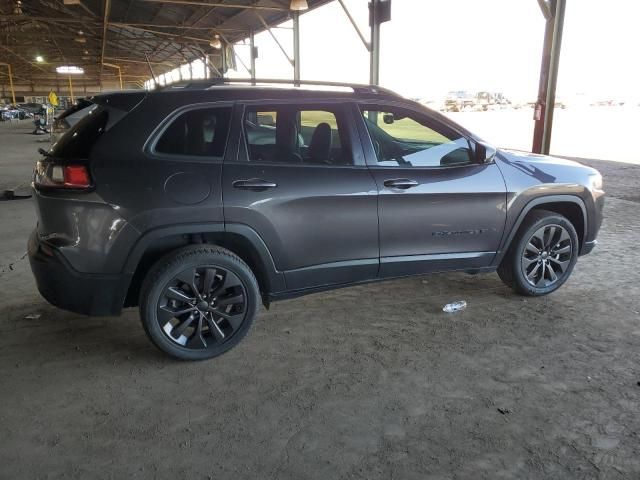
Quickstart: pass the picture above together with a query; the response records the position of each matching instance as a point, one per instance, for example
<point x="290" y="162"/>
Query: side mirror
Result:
<point x="485" y="152"/>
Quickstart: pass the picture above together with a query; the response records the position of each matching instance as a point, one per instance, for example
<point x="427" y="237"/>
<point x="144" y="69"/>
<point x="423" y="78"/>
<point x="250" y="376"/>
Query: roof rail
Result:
<point x="212" y="82"/>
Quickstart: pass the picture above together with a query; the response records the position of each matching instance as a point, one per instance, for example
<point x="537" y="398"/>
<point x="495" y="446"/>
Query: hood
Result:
<point x="536" y="158"/>
<point x="547" y="169"/>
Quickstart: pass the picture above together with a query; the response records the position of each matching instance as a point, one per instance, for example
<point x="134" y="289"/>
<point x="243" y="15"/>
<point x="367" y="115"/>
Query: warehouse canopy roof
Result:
<point x="91" y="33"/>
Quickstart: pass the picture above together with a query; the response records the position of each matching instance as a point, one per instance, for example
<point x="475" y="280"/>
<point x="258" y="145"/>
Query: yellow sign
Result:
<point x="53" y="99"/>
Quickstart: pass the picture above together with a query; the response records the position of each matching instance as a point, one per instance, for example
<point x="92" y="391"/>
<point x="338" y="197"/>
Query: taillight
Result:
<point x="47" y="175"/>
<point x="76" y="176"/>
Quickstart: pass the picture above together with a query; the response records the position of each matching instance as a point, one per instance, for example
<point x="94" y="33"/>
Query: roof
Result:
<point x="121" y="32"/>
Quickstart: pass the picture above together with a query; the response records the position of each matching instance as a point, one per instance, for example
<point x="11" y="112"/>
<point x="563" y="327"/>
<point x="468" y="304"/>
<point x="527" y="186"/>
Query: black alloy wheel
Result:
<point x="202" y="307"/>
<point x="198" y="302"/>
<point x="547" y="255"/>
<point x="542" y="254"/>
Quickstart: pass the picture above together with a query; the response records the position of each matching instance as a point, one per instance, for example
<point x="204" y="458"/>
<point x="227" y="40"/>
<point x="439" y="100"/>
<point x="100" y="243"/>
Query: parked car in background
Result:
<point x="459" y="100"/>
<point x="32" y="108"/>
<point x="484" y="100"/>
<point x="501" y="100"/>
<point x="9" y="112"/>
<point x="198" y="202"/>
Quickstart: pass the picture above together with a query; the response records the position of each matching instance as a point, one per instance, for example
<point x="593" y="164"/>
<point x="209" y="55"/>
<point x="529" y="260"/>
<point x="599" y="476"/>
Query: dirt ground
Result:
<point x="361" y="383"/>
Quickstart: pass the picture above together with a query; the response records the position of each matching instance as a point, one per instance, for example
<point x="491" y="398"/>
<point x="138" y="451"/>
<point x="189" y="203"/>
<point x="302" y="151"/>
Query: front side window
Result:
<point x="293" y="135"/>
<point x="202" y="132"/>
<point x="403" y="138"/>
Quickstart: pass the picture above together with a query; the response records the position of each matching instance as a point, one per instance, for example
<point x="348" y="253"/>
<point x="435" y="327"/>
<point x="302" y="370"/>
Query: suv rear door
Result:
<point x="301" y="182"/>
<point x="439" y="209"/>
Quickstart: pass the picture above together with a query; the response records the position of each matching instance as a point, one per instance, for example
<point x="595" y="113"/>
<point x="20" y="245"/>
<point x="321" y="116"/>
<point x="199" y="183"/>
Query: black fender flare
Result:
<point x="537" y="202"/>
<point x="274" y="277"/>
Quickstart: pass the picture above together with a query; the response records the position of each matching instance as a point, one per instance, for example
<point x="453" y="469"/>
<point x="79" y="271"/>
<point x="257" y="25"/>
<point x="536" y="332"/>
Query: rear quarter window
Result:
<point x="200" y="132"/>
<point x="78" y="141"/>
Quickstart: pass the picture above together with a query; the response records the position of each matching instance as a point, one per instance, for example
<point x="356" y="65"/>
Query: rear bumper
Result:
<point x="64" y="287"/>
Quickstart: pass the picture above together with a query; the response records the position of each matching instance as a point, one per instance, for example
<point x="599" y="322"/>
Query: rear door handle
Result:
<point x="254" y="184"/>
<point x="402" y="183"/>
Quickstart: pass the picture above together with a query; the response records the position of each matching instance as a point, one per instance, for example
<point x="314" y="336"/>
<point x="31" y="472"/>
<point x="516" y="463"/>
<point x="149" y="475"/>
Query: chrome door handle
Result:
<point x="254" y="184"/>
<point x="401" y="183"/>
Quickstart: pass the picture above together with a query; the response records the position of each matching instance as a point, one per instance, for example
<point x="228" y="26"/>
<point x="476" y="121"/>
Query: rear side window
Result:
<point x="202" y="133"/>
<point x="292" y="135"/>
<point x="78" y="141"/>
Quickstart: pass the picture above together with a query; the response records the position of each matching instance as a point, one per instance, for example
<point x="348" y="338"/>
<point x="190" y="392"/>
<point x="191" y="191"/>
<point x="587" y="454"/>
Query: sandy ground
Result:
<point x="365" y="382"/>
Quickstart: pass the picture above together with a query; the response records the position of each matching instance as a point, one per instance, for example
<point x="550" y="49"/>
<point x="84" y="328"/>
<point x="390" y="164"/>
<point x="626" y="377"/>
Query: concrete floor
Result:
<point x="365" y="382"/>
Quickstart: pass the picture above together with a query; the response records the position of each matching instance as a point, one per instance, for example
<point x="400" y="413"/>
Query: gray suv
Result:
<point x="200" y="201"/>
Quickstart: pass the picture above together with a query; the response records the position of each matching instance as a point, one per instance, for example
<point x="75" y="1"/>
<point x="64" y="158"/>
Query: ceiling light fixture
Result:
<point x="299" y="5"/>
<point x="39" y="59"/>
<point x="216" y="43"/>
<point x="69" y="70"/>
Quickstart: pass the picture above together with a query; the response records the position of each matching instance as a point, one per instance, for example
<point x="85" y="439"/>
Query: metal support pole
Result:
<point x="543" y="113"/>
<point x="296" y="48"/>
<point x="252" y="43"/>
<point x="223" y="59"/>
<point x="540" y="106"/>
<point x="355" y="25"/>
<point x="275" y="39"/>
<point x="374" y="57"/>
<point x="13" y="92"/>
<point x="71" y="90"/>
<point x="553" y="73"/>
<point x="119" y="72"/>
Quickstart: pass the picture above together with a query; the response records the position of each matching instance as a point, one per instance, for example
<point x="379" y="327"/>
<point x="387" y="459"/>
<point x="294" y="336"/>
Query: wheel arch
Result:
<point x="570" y="206"/>
<point x="239" y="239"/>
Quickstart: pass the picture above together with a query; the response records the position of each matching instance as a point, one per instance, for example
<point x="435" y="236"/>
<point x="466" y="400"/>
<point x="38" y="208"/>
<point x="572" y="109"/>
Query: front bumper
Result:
<point x="64" y="287"/>
<point x="588" y="247"/>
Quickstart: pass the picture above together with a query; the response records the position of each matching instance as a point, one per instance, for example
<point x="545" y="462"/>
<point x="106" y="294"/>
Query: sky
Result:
<point x="430" y="47"/>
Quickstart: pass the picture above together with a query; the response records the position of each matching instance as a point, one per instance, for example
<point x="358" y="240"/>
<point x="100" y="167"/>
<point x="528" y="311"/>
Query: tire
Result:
<point x="198" y="302"/>
<point x="541" y="256"/>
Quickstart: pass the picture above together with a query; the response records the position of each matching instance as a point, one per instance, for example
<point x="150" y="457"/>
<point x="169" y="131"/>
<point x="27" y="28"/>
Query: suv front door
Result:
<point x="439" y="209"/>
<point x="301" y="182"/>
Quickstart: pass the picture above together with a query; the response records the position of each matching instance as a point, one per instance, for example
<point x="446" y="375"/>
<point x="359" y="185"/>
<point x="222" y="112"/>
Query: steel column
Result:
<point x="296" y="48"/>
<point x="275" y="39"/>
<point x="223" y="59"/>
<point x="71" y="90"/>
<point x="374" y="56"/>
<point x="119" y="72"/>
<point x="252" y="43"/>
<point x="543" y="113"/>
<point x="10" y="72"/>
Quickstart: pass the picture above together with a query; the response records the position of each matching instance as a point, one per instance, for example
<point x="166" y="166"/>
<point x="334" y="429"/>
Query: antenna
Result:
<point x="150" y="69"/>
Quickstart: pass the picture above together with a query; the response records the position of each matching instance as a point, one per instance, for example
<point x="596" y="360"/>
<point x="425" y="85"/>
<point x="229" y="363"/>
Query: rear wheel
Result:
<point x="198" y="302"/>
<point x="542" y="254"/>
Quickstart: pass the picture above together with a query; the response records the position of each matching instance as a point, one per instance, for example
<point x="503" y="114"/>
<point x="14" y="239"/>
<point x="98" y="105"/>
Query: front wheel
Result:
<point x="542" y="254"/>
<point x="198" y="302"/>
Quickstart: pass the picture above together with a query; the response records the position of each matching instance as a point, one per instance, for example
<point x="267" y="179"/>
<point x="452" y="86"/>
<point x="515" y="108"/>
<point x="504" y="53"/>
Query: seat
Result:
<point x="320" y="144"/>
<point x="287" y="149"/>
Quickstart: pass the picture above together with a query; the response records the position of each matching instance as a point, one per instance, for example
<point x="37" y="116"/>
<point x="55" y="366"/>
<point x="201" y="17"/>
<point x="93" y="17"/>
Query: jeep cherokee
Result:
<point x="198" y="202"/>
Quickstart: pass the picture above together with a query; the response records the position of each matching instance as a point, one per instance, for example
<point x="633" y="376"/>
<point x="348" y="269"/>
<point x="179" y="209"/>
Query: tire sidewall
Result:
<point x="156" y="284"/>
<point x="520" y="276"/>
